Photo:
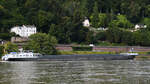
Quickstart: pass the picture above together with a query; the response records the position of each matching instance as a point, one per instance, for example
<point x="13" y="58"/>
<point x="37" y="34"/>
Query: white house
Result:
<point x="86" y="23"/>
<point x="24" y="31"/>
<point x="139" y="26"/>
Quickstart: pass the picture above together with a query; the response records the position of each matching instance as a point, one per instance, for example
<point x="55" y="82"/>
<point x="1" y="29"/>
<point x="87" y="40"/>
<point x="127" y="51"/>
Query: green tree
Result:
<point x="131" y="8"/>
<point x="1" y="50"/>
<point x="90" y="38"/>
<point x="84" y="8"/>
<point x="62" y="31"/>
<point x="147" y="11"/>
<point x="146" y="21"/>
<point x="114" y="35"/>
<point x="44" y="18"/>
<point x="127" y="38"/>
<point x="42" y="43"/>
<point x="101" y="36"/>
<point x="145" y="41"/>
<point x="137" y="38"/>
<point x="102" y="20"/>
<point x="52" y="30"/>
<point x="121" y="22"/>
<point x="95" y="17"/>
<point x="10" y="47"/>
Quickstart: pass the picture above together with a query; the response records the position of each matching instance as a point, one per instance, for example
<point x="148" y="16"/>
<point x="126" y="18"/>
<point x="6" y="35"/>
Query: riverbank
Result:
<point x="95" y="52"/>
<point x="83" y="52"/>
<point x="107" y="48"/>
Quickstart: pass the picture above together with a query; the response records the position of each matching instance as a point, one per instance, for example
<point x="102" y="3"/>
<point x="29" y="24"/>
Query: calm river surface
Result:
<point x="75" y="72"/>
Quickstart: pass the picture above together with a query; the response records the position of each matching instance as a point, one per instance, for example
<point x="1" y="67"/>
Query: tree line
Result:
<point x="63" y="19"/>
<point x="40" y="43"/>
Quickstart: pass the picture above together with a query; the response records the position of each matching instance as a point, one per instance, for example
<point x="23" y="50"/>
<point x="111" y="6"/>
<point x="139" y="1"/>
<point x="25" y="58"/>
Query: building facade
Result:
<point x="24" y="31"/>
<point x="19" y="39"/>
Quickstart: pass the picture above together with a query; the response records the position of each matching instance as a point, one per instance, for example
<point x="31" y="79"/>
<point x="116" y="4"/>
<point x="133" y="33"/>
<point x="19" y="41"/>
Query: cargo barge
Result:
<point x="30" y="56"/>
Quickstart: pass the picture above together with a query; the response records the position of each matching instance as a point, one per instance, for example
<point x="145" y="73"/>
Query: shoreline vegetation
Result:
<point x="79" y="49"/>
<point x="83" y="52"/>
<point x="95" y="52"/>
<point x="38" y="42"/>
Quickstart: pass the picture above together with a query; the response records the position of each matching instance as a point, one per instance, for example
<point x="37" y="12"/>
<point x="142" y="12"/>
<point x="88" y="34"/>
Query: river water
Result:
<point x="75" y="72"/>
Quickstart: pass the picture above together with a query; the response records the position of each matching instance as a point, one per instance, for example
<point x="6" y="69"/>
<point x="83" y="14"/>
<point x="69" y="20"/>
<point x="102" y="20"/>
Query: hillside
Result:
<point x="63" y="19"/>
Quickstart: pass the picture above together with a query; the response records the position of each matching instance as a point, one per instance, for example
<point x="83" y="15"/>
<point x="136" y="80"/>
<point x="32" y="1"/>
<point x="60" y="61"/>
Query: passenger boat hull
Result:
<point x="76" y="57"/>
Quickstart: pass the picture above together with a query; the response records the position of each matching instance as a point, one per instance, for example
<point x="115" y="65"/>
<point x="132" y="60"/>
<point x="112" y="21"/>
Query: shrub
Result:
<point x="82" y="48"/>
<point x="103" y="43"/>
<point x="148" y="52"/>
<point x="10" y="47"/>
<point x="42" y="43"/>
<point x="1" y="50"/>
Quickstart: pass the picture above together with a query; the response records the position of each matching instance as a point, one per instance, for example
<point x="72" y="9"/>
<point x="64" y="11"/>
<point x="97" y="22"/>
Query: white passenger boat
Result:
<point x="21" y="56"/>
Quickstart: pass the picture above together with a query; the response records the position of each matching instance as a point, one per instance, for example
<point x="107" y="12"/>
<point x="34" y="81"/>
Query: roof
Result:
<point x="25" y="26"/>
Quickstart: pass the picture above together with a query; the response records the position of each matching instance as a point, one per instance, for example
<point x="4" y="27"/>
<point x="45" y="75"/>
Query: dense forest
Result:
<point x="63" y="19"/>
